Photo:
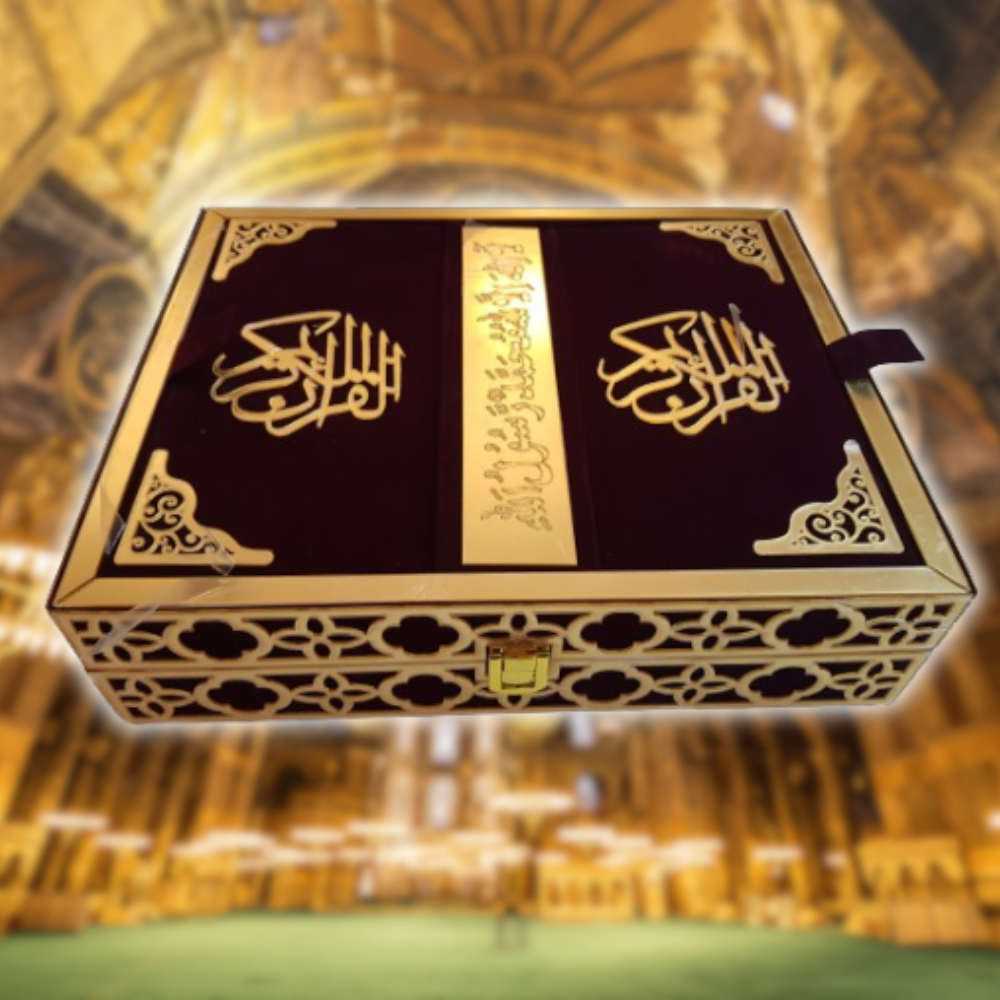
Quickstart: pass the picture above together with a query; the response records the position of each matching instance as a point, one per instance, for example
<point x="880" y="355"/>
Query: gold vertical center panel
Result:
<point x="516" y="508"/>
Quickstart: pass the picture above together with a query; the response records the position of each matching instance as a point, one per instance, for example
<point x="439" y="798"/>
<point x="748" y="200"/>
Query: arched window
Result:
<point x="589" y="793"/>
<point x="445" y="742"/>
<point x="442" y="802"/>
<point x="581" y="731"/>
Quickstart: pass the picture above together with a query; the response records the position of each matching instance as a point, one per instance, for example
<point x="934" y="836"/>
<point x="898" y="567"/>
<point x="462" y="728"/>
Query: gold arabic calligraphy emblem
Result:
<point x="689" y="370"/>
<point x="310" y="366"/>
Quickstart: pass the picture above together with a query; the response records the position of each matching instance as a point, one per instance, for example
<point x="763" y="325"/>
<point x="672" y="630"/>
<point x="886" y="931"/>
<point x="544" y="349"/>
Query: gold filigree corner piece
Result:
<point x="162" y="529"/>
<point x="855" y="521"/>
<point x="244" y="237"/>
<point x="745" y="242"/>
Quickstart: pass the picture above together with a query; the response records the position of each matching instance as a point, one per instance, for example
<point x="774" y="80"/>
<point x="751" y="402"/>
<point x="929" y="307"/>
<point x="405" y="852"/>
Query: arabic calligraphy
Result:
<point x="689" y="370"/>
<point x="328" y="365"/>
<point x="516" y="504"/>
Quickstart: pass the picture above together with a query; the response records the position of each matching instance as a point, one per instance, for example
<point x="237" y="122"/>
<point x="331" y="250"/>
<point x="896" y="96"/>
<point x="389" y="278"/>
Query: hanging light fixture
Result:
<point x="512" y="854"/>
<point x="74" y="822"/>
<point x="586" y="835"/>
<point x="239" y="840"/>
<point x="472" y="839"/>
<point x="777" y="854"/>
<point x="371" y="829"/>
<point x="532" y="802"/>
<point x="124" y="841"/>
<point x="631" y="843"/>
<point x="291" y="857"/>
<point x="317" y="836"/>
<point x="692" y="852"/>
<point x="190" y="850"/>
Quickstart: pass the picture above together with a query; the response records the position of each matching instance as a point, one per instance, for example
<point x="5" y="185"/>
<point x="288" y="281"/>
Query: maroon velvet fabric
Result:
<point x="855" y="356"/>
<point x="665" y="500"/>
<point x="384" y="496"/>
<point x="353" y="496"/>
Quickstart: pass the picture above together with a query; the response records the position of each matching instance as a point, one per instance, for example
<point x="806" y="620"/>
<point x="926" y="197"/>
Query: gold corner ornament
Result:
<point x="689" y="369"/>
<point x="162" y="528"/>
<point x="745" y="242"/>
<point x="327" y="366"/>
<point x="856" y="520"/>
<point x="244" y="237"/>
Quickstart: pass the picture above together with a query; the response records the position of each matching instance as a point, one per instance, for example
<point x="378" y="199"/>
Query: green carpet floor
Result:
<point x="420" y="957"/>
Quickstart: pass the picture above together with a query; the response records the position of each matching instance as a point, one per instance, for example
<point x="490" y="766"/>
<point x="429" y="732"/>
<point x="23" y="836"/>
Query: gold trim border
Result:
<point x="77" y="585"/>
<point x="677" y="632"/>
<point x="340" y="693"/>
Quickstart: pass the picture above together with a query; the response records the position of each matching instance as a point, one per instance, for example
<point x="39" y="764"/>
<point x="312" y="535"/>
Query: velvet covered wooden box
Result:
<point x="426" y="461"/>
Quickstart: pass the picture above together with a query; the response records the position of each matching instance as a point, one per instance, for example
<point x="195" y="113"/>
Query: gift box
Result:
<point x="378" y="462"/>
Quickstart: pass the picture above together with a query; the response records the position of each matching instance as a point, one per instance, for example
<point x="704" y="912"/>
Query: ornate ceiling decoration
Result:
<point x="627" y="101"/>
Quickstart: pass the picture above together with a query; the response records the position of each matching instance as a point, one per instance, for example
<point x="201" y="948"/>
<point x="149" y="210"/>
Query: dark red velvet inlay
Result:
<point x="384" y="496"/>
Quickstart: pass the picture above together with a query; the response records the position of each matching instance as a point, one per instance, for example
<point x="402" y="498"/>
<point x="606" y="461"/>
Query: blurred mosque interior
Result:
<point x="877" y="122"/>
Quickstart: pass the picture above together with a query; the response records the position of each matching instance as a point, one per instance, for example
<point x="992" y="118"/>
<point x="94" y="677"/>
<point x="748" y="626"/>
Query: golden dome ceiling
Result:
<point x="511" y="102"/>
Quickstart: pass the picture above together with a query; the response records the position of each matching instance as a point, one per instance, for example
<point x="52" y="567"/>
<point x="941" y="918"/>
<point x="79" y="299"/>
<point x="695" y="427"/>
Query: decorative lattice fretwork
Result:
<point x="248" y="695"/>
<point x="745" y="241"/>
<point x="238" y="639"/>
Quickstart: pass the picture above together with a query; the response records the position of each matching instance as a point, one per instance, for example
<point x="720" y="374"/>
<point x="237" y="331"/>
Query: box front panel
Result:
<point x="313" y="662"/>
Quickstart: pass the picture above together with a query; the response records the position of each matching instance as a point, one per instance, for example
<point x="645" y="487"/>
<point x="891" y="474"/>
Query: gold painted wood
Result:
<point x="856" y="520"/>
<point x="744" y="240"/>
<point x="317" y="691"/>
<point x="162" y="529"/>
<point x="516" y="508"/>
<point x="79" y="587"/>
<point x="361" y="668"/>
<point x="322" y="662"/>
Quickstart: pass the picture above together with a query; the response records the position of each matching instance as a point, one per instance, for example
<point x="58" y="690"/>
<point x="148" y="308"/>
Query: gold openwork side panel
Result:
<point x="244" y="237"/>
<point x="745" y="242"/>
<point x="856" y="520"/>
<point x="301" y="663"/>
<point x="162" y="528"/>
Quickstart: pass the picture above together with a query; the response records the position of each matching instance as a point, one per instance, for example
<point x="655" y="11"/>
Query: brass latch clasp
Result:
<point x="519" y="668"/>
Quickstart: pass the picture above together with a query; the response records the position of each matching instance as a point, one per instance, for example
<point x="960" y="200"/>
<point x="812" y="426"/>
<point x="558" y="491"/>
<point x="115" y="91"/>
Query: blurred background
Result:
<point x="877" y="122"/>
